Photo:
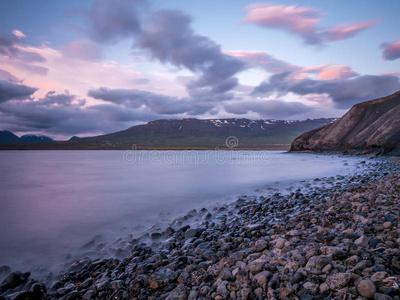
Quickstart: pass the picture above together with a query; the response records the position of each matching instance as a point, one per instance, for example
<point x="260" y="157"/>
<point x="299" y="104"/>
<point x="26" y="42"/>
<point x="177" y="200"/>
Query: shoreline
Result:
<point x="248" y="249"/>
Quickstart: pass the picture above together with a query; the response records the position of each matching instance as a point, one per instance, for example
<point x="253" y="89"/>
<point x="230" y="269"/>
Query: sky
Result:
<point x="92" y="67"/>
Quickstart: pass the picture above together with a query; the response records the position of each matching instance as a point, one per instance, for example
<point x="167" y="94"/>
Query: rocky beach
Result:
<point x="332" y="238"/>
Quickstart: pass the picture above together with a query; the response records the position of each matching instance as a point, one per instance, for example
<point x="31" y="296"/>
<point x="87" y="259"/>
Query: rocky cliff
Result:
<point x="368" y="127"/>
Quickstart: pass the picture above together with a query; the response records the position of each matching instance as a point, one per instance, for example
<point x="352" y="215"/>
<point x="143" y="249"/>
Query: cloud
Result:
<point x="83" y="49"/>
<point x="7" y="76"/>
<point x="14" y="50"/>
<point x="63" y="113"/>
<point x="276" y="109"/>
<point x="110" y="21"/>
<point x="302" y="21"/>
<point x="391" y="50"/>
<point x="345" y="31"/>
<point x="326" y="72"/>
<point x="167" y="36"/>
<point x="344" y="93"/>
<point x="141" y="81"/>
<point x="151" y="102"/>
<point x="10" y="91"/>
<point x="267" y="62"/>
<point x="264" y="60"/>
<point x="18" y="33"/>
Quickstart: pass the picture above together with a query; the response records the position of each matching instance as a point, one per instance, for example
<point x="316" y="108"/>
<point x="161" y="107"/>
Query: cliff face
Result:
<point x="368" y="127"/>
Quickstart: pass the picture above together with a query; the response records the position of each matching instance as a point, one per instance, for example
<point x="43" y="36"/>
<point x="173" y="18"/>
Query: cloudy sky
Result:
<point x="92" y="67"/>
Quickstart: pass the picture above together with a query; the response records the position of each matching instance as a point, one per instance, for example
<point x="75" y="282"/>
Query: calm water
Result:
<point x="52" y="202"/>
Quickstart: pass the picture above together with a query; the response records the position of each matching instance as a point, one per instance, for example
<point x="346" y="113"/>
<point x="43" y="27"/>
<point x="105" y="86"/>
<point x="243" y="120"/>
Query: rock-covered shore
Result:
<point x="335" y="238"/>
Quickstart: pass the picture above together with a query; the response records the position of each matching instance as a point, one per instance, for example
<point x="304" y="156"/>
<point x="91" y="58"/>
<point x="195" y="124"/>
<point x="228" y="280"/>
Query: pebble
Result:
<point x="334" y="238"/>
<point x="366" y="288"/>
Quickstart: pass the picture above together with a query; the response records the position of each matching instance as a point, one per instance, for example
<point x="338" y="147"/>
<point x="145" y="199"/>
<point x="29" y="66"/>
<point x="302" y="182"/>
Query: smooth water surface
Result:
<point x="52" y="202"/>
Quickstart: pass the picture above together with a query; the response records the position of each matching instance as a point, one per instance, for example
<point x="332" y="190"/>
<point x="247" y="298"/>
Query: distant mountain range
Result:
<point x="368" y="127"/>
<point x="7" y="137"/>
<point x="193" y="134"/>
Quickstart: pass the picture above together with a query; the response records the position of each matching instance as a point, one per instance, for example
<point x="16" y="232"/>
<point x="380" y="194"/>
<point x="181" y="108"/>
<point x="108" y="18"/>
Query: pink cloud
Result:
<point x="395" y="73"/>
<point x="273" y="65"/>
<point x="345" y="31"/>
<point x="302" y="21"/>
<point x="391" y="51"/>
<point x="83" y="49"/>
<point x="325" y="72"/>
<point x="336" y="72"/>
<point x="319" y="100"/>
<point x="78" y="75"/>
<point x="292" y="18"/>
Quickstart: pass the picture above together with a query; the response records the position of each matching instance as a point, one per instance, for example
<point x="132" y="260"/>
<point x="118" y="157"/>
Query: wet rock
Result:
<point x="4" y="271"/>
<point x="178" y="293"/>
<point x="71" y="296"/>
<point x="89" y="295"/>
<point x="161" y="277"/>
<point x="190" y="233"/>
<point x="13" y="280"/>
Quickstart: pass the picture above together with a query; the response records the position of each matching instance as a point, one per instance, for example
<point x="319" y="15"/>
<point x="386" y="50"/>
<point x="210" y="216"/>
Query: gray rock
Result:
<point x="88" y="282"/>
<point x="4" y="271"/>
<point x="193" y="295"/>
<point x="257" y="265"/>
<point x="161" y="277"/>
<point x="116" y="285"/>
<point x="366" y="288"/>
<point x="89" y="295"/>
<point x="259" y="246"/>
<point x="17" y="296"/>
<point x="178" y="293"/>
<point x="338" y="281"/>
<point x="71" y="296"/>
<point x="362" y="241"/>
<point x="13" y="280"/>
<point x="222" y="290"/>
<point x="379" y="296"/>
<point x="311" y="288"/>
<point x="191" y="233"/>
<point x="280" y="243"/>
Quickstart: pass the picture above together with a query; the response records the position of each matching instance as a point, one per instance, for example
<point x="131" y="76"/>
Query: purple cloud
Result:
<point x="13" y="91"/>
<point x="12" y="47"/>
<point x="344" y="92"/>
<point x="268" y="108"/>
<point x="391" y="51"/>
<point x="155" y="103"/>
<point x="167" y="36"/>
<point x="110" y="21"/>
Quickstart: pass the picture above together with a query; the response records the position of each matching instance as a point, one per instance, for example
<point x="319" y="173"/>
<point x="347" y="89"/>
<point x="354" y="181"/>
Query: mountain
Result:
<point x="7" y="137"/>
<point x="368" y="127"/>
<point x="74" y="138"/>
<point x="32" y="138"/>
<point x="211" y="133"/>
<point x="195" y="134"/>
